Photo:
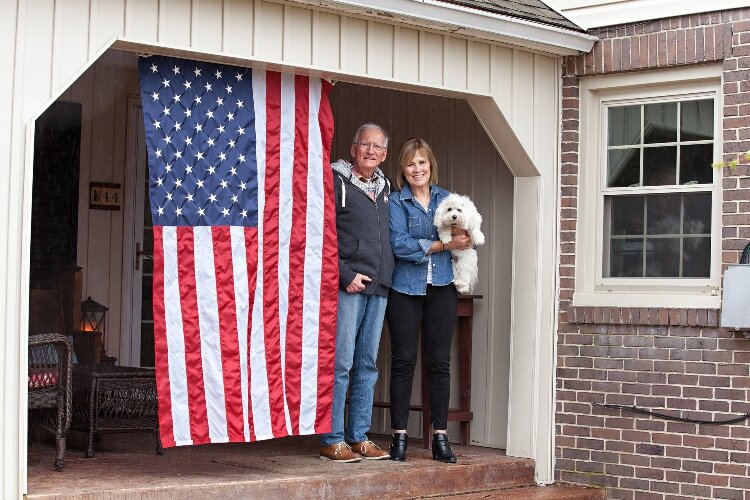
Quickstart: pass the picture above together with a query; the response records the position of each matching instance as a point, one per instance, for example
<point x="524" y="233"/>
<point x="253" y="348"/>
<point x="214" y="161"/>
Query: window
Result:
<point x="649" y="205"/>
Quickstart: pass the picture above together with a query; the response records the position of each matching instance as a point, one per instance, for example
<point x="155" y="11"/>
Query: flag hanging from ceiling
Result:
<point x="245" y="270"/>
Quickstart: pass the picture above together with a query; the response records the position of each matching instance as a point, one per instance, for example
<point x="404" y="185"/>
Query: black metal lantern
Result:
<point x="93" y="316"/>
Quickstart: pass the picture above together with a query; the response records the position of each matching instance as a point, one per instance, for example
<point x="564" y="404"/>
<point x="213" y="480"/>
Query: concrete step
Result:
<point x="556" y="492"/>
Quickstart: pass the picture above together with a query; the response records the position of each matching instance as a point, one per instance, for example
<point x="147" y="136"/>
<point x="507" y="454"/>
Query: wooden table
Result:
<point x="463" y="413"/>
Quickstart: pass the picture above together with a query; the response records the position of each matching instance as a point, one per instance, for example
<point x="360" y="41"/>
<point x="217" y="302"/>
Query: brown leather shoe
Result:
<point x="370" y="451"/>
<point x="339" y="452"/>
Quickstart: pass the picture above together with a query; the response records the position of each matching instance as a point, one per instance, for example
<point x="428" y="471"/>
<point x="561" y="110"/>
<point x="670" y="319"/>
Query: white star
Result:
<point x="197" y="99"/>
<point x="234" y="198"/>
<point x="167" y="139"/>
<point x="230" y="116"/>
<point x="242" y="158"/>
<point x="158" y="153"/>
<point x="187" y="84"/>
<point x="166" y="83"/>
<point x="153" y="68"/>
<point x="176" y="70"/>
<point x="210" y="114"/>
<point x="231" y="143"/>
<point x="210" y="141"/>
<point x="178" y="154"/>
<point x="241" y="131"/>
<point x="212" y="198"/>
<point x="157" y="124"/>
<point x="197" y="72"/>
<point x="189" y="197"/>
<point x="159" y="181"/>
<point x="178" y="211"/>
<point x="208" y="87"/>
<point x="225" y="211"/>
<point x="199" y="183"/>
<point x="244" y="214"/>
<point x="199" y="156"/>
<point x="218" y="74"/>
<point x="222" y="156"/>
<point x="177" y="126"/>
<point x="168" y="168"/>
<point x="166" y="110"/>
<point x="155" y="95"/>
<point x="211" y="170"/>
<point x="224" y="183"/>
<point x="233" y="171"/>
<point x="238" y="76"/>
<point x="177" y="183"/>
<point x="201" y="212"/>
<point x="242" y="186"/>
<point x="240" y="103"/>
<point x="176" y="98"/>
<point x="188" y="140"/>
<point x="229" y="89"/>
<point x="198" y="127"/>
<point x="188" y="112"/>
<point x="221" y="129"/>
<point x="169" y="196"/>
<point x="219" y="101"/>
<point x="189" y="169"/>
<point x="160" y="210"/>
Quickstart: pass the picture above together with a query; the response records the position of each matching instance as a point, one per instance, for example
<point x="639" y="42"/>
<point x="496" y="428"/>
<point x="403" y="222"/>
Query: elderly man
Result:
<point x="365" y="268"/>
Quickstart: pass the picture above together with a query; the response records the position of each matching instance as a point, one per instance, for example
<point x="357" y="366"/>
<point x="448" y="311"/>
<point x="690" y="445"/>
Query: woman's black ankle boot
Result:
<point x="398" y="446"/>
<point x="441" y="449"/>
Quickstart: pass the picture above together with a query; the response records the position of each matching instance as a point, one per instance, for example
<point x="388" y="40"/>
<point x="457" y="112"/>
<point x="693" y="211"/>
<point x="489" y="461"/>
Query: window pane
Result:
<point x="696" y="257"/>
<point x="626" y="258"/>
<point x="626" y="214"/>
<point x="695" y="163"/>
<point x="697" y="120"/>
<point x="660" y="122"/>
<point x="663" y="214"/>
<point x="623" y="167"/>
<point x="697" y="214"/>
<point x="662" y="257"/>
<point x="660" y="166"/>
<point x="624" y="125"/>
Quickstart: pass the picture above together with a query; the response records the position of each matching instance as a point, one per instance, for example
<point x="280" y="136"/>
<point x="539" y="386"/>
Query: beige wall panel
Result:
<point x="269" y="26"/>
<point x="175" y="18"/>
<point x="72" y="42"/>
<point x="141" y="19"/>
<point x="501" y="72"/>
<point x="523" y="98"/>
<point x="456" y="62"/>
<point x="207" y="26"/>
<point x="37" y="63"/>
<point x="326" y="40"/>
<point x="431" y="58"/>
<point x="298" y="35"/>
<point x="238" y="27"/>
<point x="353" y="45"/>
<point x="478" y="71"/>
<point x="107" y="21"/>
<point x="379" y="49"/>
<point x="406" y="54"/>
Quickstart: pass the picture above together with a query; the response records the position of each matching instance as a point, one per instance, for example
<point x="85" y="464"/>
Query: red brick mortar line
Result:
<point x="647" y="316"/>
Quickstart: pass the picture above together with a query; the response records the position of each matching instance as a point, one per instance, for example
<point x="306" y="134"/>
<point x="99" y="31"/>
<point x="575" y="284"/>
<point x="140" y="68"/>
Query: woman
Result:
<point x="422" y="296"/>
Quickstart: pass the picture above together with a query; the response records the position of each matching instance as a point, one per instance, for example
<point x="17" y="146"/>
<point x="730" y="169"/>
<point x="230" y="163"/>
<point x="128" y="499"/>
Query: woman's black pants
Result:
<point x="435" y="315"/>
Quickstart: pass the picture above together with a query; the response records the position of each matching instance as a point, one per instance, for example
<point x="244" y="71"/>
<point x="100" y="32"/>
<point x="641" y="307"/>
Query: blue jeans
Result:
<point x="358" y="328"/>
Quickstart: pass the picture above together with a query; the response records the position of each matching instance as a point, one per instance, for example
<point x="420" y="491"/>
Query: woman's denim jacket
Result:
<point x="412" y="234"/>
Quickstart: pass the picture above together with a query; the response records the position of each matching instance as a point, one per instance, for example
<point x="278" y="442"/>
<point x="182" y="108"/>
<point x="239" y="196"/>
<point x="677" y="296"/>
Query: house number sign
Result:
<point x="104" y="196"/>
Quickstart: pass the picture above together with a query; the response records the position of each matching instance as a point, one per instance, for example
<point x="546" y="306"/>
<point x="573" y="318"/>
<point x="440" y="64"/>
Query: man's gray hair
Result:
<point x="370" y="126"/>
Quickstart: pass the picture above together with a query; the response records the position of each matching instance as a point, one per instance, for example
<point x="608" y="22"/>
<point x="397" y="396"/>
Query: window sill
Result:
<point x="644" y="316"/>
<point x="672" y="299"/>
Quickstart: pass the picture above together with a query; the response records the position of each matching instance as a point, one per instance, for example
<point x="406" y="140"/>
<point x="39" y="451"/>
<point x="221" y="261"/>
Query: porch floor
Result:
<point x="126" y="466"/>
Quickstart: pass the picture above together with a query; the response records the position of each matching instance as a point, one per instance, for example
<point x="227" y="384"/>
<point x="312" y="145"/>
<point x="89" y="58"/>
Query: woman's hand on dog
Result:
<point x="460" y="241"/>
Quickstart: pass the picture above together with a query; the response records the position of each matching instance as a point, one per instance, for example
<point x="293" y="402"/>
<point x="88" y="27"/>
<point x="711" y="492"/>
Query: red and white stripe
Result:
<point x="244" y="318"/>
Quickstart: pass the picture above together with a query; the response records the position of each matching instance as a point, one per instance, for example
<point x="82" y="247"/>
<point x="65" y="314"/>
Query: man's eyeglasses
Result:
<point x="367" y="145"/>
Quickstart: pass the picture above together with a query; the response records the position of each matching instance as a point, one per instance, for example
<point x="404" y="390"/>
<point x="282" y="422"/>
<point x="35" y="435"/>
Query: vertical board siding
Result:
<point x="136" y="14"/>
<point x="269" y="23"/>
<point x="238" y="24"/>
<point x="298" y="35"/>
<point x="406" y="55"/>
<point x="431" y="58"/>
<point x="468" y="164"/>
<point x="379" y="49"/>
<point x="207" y="25"/>
<point x="456" y="63"/>
<point x="326" y="40"/>
<point x="109" y="20"/>
<point x="479" y="67"/>
<point x="72" y="51"/>
<point x="523" y="98"/>
<point x="502" y="70"/>
<point x="353" y="45"/>
<point x="175" y="20"/>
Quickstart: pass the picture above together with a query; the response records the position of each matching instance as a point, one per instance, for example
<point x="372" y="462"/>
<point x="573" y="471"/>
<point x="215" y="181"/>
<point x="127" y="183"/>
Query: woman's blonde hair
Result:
<point x="409" y="149"/>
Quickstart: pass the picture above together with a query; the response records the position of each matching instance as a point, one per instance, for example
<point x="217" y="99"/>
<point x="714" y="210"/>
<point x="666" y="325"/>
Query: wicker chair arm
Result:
<point x="64" y="349"/>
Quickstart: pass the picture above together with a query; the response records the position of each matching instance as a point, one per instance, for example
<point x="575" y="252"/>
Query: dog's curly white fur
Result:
<point x="459" y="211"/>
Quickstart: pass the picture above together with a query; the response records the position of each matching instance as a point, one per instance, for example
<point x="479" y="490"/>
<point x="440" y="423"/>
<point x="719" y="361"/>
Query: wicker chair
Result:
<point x="50" y="365"/>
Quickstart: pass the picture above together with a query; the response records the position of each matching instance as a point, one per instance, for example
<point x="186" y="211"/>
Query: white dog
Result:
<point x="459" y="211"/>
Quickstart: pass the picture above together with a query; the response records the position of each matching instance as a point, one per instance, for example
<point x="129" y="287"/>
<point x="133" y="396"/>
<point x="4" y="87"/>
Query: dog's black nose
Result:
<point x="455" y="217"/>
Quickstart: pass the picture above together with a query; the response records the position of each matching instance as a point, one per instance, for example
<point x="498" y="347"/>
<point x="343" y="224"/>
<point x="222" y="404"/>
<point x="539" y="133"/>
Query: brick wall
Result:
<point x="675" y="361"/>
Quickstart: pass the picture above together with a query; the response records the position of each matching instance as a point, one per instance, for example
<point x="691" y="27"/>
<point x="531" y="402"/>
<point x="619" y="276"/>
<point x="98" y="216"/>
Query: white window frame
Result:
<point x="597" y="94"/>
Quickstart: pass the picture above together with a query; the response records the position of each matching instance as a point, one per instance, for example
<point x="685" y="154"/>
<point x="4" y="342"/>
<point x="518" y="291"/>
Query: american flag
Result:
<point x="245" y="268"/>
